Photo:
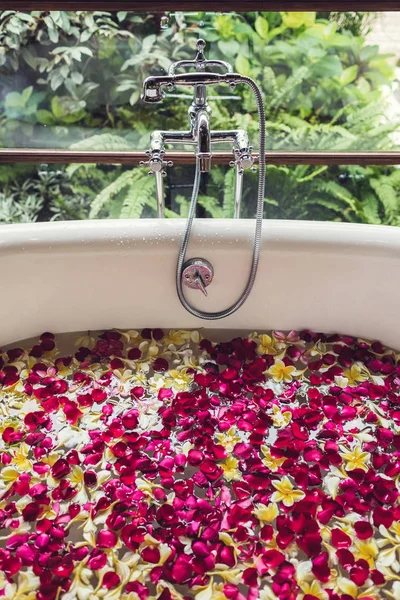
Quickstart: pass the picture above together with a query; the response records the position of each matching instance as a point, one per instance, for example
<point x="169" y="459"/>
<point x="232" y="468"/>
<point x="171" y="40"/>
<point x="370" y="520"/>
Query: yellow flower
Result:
<point x="280" y="419"/>
<point x="9" y="421"/>
<point x="9" y="474"/>
<point x="180" y="379"/>
<point x="28" y="406"/>
<point x="395" y="527"/>
<point x="231" y="471"/>
<point x="269" y="461"/>
<point x="76" y="477"/>
<point x="281" y="372"/>
<point x="140" y="378"/>
<point x="356" y="374"/>
<point x="319" y="349"/>
<point x="3" y="580"/>
<point x="48" y="512"/>
<point x="149" y="349"/>
<point x="210" y="592"/>
<point x="85" y="340"/>
<point x="228" y="439"/>
<point x="20" y="458"/>
<point x="367" y="550"/>
<point x="156" y="383"/>
<point x="267" y="345"/>
<point x="348" y="587"/>
<point x="307" y="582"/>
<point x="177" y="338"/>
<point x="285" y="492"/>
<point x="50" y="459"/>
<point x="125" y="376"/>
<point x="266" y="513"/>
<point x="314" y="589"/>
<point x="356" y="459"/>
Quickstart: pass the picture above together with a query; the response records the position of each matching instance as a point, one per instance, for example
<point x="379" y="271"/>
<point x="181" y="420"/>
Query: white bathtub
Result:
<point x="73" y="276"/>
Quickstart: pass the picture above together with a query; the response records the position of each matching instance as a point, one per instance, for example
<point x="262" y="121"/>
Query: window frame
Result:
<point x="204" y="5"/>
<point x="22" y="155"/>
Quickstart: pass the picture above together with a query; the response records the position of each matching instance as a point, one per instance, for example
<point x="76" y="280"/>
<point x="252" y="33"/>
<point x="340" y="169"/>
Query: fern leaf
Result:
<point x="217" y="176"/>
<point x="212" y="206"/>
<point x="387" y="194"/>
<point x="110" y="192"/>
<point x="74" y="167"/>
<point x="171" y="214"/>
<point x="330" y="204"/>
<point x="333" y="189"/>
<point x="286" y="92"/>
<point x="184" y="205"/>
<point x="103" y="141"/>
<point x="371" y="208"/>
<point x="313" y="174"/>
<point x="140" y="193"/>
<point x="394" y="178"/>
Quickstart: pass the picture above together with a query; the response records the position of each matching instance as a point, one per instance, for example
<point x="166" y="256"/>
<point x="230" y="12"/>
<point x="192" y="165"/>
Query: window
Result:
<point x="70" y="106"/>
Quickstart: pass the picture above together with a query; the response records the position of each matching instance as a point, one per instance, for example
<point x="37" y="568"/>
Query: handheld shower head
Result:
<point x="152" y="91"/>
<point x="153" y="86"/>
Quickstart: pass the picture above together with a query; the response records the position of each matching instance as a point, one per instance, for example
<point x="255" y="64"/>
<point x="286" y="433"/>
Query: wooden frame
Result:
<point x="203" y="5"/>
<point x="17" y="155"/>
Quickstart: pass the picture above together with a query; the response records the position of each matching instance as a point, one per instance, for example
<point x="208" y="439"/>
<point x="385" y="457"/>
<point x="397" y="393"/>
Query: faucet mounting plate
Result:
<point x="197" y="273"/>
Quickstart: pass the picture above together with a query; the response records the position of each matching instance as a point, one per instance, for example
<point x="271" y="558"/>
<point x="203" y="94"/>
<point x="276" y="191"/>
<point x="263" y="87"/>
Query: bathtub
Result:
<point x="156" y="429"/>
<point x="73" y="276"/>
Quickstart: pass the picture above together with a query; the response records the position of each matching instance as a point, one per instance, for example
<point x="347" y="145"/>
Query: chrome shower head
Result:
<point x="153" y="87"/>
<point x="152" y="91"/>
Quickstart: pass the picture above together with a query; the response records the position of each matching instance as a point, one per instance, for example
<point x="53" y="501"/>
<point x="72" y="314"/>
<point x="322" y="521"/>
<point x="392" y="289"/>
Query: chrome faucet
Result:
<point x="200" y="135"/>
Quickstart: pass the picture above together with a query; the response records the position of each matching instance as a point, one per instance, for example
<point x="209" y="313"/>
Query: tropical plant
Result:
<point x="325" y="89"/>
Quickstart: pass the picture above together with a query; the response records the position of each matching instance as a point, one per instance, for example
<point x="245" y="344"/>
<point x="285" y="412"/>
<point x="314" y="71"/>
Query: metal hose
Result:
<point x="212" y="316"/>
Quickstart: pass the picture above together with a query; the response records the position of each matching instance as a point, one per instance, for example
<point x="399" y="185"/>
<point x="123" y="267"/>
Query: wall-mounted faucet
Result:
<point x="200" y="135"/>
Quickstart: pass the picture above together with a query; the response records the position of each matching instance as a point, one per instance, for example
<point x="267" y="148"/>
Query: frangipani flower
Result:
<point x="285" y="492"/>
<point x="282" y="372"/>
<point x="356" y="459"/>
<point x="280" y="419"/>
<point x="229" y="439"/>
<point x="161" y="467"/>
<point x="356" y="374"/>
<point x="20" y="458"/>
<point x="231" y="471"/>
<point x="180" y="379"/>
<point x="267" y="344"/>
<point x="367" y="550"/>
<point x="307" y="582"/>
<point x="269" y="461"/>
<point x="314" y="589"/>
<point x="348" y="587"/>
<point x="266" y="513"/>
<point x="180" y="336"/>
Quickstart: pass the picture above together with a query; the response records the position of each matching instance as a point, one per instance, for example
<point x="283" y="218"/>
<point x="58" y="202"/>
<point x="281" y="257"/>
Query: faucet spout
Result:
<point x="203" y="138"/>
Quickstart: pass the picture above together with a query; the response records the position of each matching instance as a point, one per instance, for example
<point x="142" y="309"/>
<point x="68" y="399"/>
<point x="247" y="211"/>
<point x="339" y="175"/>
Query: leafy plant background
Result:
<point x="73" y="80"/>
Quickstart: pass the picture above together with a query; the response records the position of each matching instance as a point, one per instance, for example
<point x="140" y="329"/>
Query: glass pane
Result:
<point x="73" y="79"/>
<point x="65" y="192"/>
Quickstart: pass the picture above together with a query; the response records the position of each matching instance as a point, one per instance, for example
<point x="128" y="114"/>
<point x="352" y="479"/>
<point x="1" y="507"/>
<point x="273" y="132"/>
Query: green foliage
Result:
<point x="354" y="194"/>
<point x="46" y="195"/>
<point x="106" y="141"/>
<point x="126" y="197"/>
<point x="359" y="23"/>
<point x="22" y="105"/>
<point x="14" y="209"/>
<point x="74" y="79"/>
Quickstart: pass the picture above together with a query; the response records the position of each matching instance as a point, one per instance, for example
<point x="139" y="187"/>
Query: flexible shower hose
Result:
<point x="213" y="316"/>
